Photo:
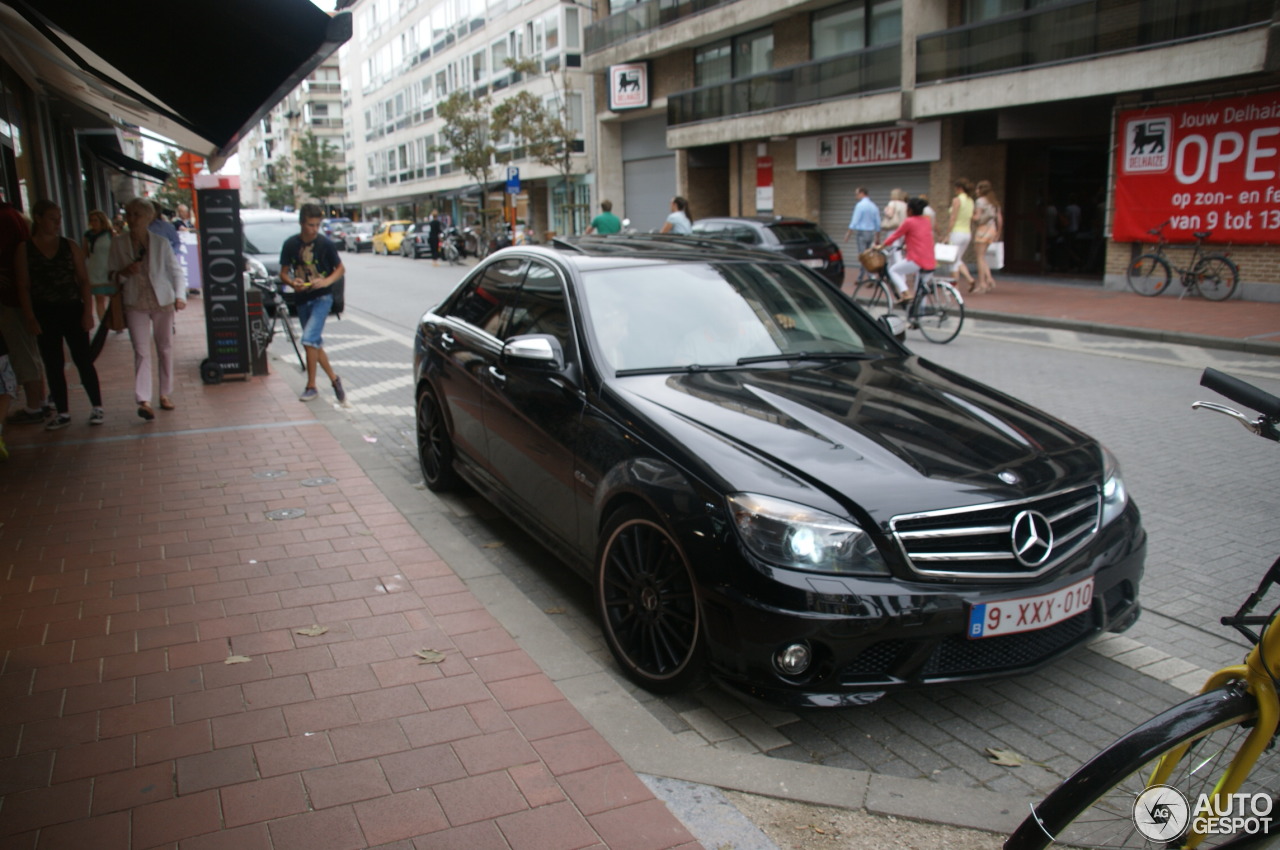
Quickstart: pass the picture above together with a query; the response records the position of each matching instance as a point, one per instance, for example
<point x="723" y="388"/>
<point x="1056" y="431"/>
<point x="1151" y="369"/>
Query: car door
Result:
<point x="469" y="344"/>
<point x="533" y="412"/>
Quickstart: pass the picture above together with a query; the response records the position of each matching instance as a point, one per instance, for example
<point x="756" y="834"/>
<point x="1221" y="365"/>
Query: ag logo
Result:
<point x="1148" y="144"/>
<point x="1161" y="813"/>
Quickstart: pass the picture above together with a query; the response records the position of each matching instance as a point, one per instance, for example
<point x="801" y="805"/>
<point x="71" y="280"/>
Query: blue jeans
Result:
<point x="311" y="315"/>
<point x="864" y="239"/>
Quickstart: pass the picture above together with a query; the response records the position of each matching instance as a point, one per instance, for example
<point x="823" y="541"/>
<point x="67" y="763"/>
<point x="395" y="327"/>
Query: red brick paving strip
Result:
<point x="130" y="569"/>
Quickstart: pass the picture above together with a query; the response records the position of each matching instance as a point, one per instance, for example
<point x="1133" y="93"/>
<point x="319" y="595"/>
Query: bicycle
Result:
<point x="1213" y="275"/>
<point x="937" y="310"/>
<point x="1219" y="743"/>
<point x="273" y="305"/>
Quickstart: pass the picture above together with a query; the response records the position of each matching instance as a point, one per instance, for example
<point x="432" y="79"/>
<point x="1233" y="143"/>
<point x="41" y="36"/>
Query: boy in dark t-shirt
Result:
<point x="310" y="265"/>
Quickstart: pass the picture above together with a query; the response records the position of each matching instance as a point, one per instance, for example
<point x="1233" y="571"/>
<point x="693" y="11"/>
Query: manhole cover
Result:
<point x="318" y="482"/>
<point x="286" y="513"/>
<point x="270" y="473"/>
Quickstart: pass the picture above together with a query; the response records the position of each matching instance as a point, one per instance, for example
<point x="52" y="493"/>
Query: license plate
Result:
<point x="814" y="264"/>
<point x="1028" y="613"/>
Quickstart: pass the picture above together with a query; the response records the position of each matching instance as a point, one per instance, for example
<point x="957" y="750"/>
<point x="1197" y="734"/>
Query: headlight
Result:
<point x="256" y="268"/>
<point x="797" y="536"/>
<point x="1114" y="495"/>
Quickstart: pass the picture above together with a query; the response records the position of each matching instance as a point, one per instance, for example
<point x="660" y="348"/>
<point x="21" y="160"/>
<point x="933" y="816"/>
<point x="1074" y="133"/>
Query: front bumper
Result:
<point x="868" y="637"/>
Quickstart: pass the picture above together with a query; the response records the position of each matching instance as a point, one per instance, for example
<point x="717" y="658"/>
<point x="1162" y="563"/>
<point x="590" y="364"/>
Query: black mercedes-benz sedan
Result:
<point x="757" y="477"/>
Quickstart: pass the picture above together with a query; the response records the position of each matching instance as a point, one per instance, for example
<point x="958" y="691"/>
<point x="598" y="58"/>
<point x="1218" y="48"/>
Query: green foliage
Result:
<point x="169" y="195"/>
<point x="279" y="191"/>
<point x="318" y="175"/>
<point x="466" y="135"/>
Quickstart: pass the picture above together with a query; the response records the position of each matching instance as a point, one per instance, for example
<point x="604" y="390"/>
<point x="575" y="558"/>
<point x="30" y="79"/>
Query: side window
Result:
<point x="486" y="301"/>
<point x="741" y="234"/>
<point x="540" y="307"/>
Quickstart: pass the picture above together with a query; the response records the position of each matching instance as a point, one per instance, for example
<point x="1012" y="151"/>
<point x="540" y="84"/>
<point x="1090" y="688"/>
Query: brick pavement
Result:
<point x="158" y="689"/>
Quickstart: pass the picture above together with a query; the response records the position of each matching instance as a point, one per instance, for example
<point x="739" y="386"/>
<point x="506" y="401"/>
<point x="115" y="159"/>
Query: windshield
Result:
<point x="267" y="237"/>
<point x="677" y="316"/>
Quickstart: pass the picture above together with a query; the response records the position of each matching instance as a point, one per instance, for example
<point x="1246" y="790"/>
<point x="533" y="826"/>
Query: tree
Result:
<point x="279" y="191"/>
<point x="169" y="195"/>
<point x="545" y="129"/>
<point x="318" y="176"/>
<point x="467" y="137"/>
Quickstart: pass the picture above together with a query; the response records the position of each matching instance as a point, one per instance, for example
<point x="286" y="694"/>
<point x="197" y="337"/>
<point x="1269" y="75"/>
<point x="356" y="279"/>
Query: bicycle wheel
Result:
<point x="939" y="312"/>
<point x="1216" y="277"/>
<point x="875" y="295"/>
<point x="1148" y="275"/>
<point x="1094" y="807"/>
<point x="282" y="315"/>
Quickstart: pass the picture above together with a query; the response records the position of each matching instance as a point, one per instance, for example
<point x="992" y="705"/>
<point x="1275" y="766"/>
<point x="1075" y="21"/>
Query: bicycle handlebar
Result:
<point x="1241" y="393"/>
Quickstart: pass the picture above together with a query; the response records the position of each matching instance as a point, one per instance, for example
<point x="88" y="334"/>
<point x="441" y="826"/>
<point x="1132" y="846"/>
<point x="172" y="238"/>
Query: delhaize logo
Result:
<point x="1148" y="144"/>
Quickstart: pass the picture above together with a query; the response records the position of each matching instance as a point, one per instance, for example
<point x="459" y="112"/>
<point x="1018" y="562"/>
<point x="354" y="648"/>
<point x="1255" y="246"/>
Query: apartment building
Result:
<point x="408" y="56"/>
<point x="1095" y="120"/>
<point x="315" y="105"/>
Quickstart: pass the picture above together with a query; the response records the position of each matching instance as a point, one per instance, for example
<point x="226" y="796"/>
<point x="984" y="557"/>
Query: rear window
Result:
<point x="792" y="233"/>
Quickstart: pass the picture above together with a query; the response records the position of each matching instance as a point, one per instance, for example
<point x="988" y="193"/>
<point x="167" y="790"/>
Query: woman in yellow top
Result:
<point x="961" y="228"/>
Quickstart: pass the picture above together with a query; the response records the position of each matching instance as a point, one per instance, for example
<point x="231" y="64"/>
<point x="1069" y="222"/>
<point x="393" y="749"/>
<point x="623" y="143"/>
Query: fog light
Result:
<point x="794" y="659"/>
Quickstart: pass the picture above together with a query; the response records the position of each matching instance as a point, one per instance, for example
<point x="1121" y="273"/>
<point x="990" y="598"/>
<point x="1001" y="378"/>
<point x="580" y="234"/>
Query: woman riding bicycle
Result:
<point x="917" y="235"/>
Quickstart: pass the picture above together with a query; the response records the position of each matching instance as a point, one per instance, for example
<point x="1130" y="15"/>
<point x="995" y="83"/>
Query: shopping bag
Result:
<point x="995" y="255"/>
<point x="944" y="252"/>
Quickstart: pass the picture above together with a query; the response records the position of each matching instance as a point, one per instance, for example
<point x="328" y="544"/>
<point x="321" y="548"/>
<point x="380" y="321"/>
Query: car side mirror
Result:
<point x="534" y="350"/>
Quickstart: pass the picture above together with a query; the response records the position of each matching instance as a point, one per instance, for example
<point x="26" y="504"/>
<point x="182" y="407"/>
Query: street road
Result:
<point x="1205" y="485"/>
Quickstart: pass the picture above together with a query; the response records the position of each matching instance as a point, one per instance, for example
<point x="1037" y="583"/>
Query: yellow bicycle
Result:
<point x="1205" y="773"/>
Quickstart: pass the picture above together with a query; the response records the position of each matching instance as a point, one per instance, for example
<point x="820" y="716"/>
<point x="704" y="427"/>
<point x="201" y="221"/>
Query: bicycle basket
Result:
<point x="872" y="260"/>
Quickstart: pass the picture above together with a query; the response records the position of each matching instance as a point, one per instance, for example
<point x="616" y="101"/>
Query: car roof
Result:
<point x="267" y="215"/>
<point x="658" y="248"/>
<point x="766" y="220"/>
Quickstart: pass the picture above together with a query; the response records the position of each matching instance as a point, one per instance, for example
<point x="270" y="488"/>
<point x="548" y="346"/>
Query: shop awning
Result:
<point x="199" y="72"/>
<point x="105" y="145"/>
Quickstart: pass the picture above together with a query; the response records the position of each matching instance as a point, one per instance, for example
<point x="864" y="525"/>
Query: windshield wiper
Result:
<point x="666" y="370"/>
<point x="809" y="355"/>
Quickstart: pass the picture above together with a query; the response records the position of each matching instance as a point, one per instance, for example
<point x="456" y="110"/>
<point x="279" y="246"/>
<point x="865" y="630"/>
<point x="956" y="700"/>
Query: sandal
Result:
<point x="166" y="403"/>
<point x="145" y="411"/>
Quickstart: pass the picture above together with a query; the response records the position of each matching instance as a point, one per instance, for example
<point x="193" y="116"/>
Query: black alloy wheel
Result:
<point x="647" y="602"/>
<point x="435" y="448"/>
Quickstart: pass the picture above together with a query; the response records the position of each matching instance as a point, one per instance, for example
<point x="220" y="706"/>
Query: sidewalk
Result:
<point x="1239" y="325"/>
<point x="159" y="685"/>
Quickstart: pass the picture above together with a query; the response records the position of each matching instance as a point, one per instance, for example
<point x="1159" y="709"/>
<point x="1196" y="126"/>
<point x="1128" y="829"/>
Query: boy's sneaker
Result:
<point x="309" y="394"/>
<point x="23" y="416"/>
<point x="339" y="391"/>
<point x="97" y="417"/>
<point x="62" y="420"/>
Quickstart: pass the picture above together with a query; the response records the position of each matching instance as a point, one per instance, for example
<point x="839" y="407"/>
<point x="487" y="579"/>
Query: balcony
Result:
<point x="641" y="18"/>
<point x="1074" y="30"/>
<point x="874" y="69"/>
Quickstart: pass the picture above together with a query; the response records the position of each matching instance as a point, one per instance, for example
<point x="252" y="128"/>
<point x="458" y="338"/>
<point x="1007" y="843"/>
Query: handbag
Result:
<point x="114" y="320"/>
<point x="995" y="255"/>
<point x="945" y="252"/>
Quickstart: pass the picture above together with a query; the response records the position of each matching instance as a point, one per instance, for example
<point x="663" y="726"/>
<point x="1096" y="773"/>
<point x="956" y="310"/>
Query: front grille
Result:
<point x="977" y="542"/>
<point x="959" y="656"/>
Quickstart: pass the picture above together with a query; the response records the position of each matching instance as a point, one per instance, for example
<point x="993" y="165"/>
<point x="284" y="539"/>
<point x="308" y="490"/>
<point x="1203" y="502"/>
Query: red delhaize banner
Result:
<point x="1201" y="166"/>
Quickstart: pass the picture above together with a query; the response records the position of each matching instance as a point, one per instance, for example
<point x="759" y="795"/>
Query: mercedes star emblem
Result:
<point x="1032" y="538"/>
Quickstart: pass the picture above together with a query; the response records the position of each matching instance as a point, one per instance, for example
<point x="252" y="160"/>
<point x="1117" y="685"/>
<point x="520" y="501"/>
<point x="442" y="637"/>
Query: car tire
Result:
<point x="647" y="602"/>
<point x="435" y="446"/>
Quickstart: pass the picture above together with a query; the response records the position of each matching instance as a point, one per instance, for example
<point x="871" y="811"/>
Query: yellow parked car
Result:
<point x="387" y="238"/>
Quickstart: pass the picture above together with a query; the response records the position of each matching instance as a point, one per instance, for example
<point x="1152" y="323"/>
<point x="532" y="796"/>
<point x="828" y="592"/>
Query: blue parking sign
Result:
<point x="513" y="180"/>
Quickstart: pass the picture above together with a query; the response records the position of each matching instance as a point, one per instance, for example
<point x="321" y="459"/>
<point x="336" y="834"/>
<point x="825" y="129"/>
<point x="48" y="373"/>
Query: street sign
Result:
<point x="513" y="180"/>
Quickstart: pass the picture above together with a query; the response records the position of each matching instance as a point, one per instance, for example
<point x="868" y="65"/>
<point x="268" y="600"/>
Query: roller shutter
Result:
<point x="839" y="187"/>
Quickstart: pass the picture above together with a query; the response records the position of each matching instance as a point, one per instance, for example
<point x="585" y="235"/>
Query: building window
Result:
<point x="985" y="10"/>
<point x="740" y="56"/>
<point x="843" y="28"/>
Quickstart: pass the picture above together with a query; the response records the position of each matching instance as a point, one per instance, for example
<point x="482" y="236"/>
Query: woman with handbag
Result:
<point x="988" y="225"/>
<point x="895" y="212"/>
<point x="153" y="288"/>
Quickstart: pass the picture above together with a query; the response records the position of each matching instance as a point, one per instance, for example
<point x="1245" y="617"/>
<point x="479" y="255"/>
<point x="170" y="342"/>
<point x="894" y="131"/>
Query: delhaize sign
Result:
<point x="881" y="146"/>
<point x="1203" y="166"/>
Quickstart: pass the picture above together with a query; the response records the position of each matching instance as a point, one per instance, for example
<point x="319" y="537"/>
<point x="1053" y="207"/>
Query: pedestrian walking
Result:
<point x="144" y="265"/>
<point x="961" y="227"/>
<point x="864" y="225"/>
<point x="678" y="221"/>
<point x="434" y="231"/>
<point x="988" y="225"/>
<point x="605" y="224"/>
<point x="24" y="351"/>
<point x="97" y="248"/>
<point x="309" y="264"/>
<point x="57" y="307"/>
<point x="895" y="212"/>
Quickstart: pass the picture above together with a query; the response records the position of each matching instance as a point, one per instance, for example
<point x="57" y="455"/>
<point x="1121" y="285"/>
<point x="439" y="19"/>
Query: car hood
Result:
<point x="889" y="436"/>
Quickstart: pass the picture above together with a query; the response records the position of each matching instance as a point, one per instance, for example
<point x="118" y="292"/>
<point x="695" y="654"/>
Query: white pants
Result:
<point x="898" y="274"/>
<point x="961" y="239"/>
<point x="146" y="327"/>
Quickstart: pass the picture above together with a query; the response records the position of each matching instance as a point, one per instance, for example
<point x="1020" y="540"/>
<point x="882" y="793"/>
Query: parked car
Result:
<point x="755" y="475"/>
<point x="358" y="237"/>
<point x="794" y="237"/>
<point x="417" y="242"/>
<point x="333" y="227"/>
<point x="386" y="238"/>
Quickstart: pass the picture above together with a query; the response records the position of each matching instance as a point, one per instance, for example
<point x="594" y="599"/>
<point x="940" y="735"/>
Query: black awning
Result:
<point x="106" y="147"/>
<point x="201" y="72"/>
